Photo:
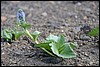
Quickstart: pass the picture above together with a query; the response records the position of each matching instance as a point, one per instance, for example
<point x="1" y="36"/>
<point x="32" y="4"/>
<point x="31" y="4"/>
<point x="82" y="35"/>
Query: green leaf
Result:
<point x="65" y="52"/>
<point x="44" y="45"/>
<point x="35" y="35"/>
<point x="52" y="37"/>
<point x="54" y="48"/>
<point x="18" y="34"/>
<point x="25" y="25"/>
<point x="60" y="48"/>
<point x="6" y="34"/>
<point x="94" y="32"/>
<point x="61" y="39"/>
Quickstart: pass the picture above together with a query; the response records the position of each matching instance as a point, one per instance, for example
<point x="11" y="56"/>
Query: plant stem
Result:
<point x="48" y="52"/>
<point x="27" y="32"/>
<point x="36" y="42"/>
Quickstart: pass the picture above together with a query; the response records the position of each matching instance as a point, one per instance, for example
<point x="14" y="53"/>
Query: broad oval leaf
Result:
<point x="6" y="34"/>
<point x="66" y="52"/>
<point x="54" y="48"/>
<point x="52" y="37"/>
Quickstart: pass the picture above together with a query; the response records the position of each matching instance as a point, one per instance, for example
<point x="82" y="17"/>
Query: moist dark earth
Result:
<point x="74" y="19"/>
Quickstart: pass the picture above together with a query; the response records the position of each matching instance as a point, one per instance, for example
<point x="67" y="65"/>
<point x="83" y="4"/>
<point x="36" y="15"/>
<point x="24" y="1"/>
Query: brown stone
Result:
<point x="3" y="18"/>
<point x="15" y="1"/>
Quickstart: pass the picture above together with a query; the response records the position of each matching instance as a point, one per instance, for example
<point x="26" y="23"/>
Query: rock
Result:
<point x="3" y="53"/>
<point x="29" y="15"/>
<point x="91" y="63"/>
<point x="86" y="54"/>
<point x="79" y="65"/>
<point x="85" y="29"/>
<point x="65" y="24"/>
<point x="85" y="18"/>
<point x="8" y="44"/>
<point x="52" y="2"/>
<point x="76" y="37"/>
<point x="13" y="61"/>
<point x="15" y="1"/>
<point x="3" y="18"/>
<point x="62" y="31"/>
<point x="76" y="29"/>
<point x="76" y="16"/>
<point x="87" y="9"/>
<point x="84" y="37"/>
<point x="93" y="51"/>
<point x="71" y="14"/>
<point x="44" y="14"/>
<point x="59" y="2"/>
<point x="78" y="3"/>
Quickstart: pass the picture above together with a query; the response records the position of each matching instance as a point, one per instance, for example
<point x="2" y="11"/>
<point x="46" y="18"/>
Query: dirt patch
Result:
<point x="73" y="19"/>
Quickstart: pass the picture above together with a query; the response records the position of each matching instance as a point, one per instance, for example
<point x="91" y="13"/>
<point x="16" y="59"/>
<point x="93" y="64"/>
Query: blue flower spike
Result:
<point x="20" y="16"/>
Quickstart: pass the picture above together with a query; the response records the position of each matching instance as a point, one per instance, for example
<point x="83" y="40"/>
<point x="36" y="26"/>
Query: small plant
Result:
<point x="53" y="45"/>
<point x="6" y="34"/>
<point x="57" y="45"/>
<point x="94" y="32"/>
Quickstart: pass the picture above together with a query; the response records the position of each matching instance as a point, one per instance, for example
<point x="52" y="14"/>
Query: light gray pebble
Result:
<point x="44" y="14"/>
<point x="84" y="37"/>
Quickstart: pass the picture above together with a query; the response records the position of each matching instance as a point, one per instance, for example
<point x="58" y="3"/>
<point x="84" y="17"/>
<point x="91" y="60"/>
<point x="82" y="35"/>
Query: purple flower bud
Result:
<point x="20" y="15"/>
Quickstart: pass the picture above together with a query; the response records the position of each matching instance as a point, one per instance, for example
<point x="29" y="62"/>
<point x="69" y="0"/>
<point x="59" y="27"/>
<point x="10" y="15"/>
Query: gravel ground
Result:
<point x="74" y="19"/>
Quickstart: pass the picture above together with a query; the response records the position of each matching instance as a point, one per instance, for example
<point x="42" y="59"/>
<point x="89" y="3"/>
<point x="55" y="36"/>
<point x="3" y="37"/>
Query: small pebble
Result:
<point x="85" y="17"/>
<point x="3" y="18"/>
<point x="29" y="15"/>
<point x="78" y="3"/>
<point x="3" y="53"/>
<point x="86" y="54"/>
<point x="79" y="65"/>
<point x="91" y="63"/>
<point x="85" y="29"/>
<point x="15" y="1"/>
<point x="84" y="37"/>
<point x="52" y="2"/>
<point x="76" y="29"/>
<point x="62" y="31"/>
<point x="44" y="14"/>
<point x="76" y="16"/>
<point x="13" y="61"/>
